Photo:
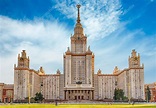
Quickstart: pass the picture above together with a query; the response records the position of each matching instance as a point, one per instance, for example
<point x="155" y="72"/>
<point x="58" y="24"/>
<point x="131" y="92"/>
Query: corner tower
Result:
<point x="78" y="66"/>
<point x="134" y="60"/>
<point x="21" y="77"/>
<point x="135" y="77"/>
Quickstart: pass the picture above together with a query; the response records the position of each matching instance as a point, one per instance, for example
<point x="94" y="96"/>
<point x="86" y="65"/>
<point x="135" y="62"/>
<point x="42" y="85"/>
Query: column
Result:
<point x="66" y="95"/>
<point x="91" y="93"/>
<point x="69" y="92"/>
<point x="76" y="94"/>
<point x="85" y="95"/>
<point x="88" y="94"/>
<point x="72" y="95"/>
<point x="80" y="94"/>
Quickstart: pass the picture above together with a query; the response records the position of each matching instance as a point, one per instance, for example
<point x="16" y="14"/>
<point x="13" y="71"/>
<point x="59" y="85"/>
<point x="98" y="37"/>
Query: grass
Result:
<point x="77" y="106"/>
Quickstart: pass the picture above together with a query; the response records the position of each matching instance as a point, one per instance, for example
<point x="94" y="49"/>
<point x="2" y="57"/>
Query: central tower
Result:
<point x="78" y="66"/>
<point x="78" y="40"/>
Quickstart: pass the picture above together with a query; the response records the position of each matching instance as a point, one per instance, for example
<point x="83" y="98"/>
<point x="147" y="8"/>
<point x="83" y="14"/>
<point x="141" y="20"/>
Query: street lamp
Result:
<point x="29" y="92"/>
<point x="10" y="96"/>
<point x="129" y="92"/>
<point x="41" y="88"/>
<point x="146" y="95"/>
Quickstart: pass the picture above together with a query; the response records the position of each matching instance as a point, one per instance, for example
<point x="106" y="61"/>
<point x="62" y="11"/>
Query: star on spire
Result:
<point x="78" y="17"/>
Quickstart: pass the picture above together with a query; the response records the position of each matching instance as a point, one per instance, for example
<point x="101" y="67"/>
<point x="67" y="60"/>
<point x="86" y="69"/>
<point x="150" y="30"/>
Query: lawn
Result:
<point x="77" y="106"/>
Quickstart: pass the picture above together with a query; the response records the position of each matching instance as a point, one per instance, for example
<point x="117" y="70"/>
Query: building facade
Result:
<point x="152" y="88"/>
<point x="6" y="92"/>
<point x="79" y="80"/>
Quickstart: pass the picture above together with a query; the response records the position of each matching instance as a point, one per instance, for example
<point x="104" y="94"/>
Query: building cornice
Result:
<point x="32" y="70"/>
<point x="78" y="88"/>
<point x="81" y="54"/>
<point x="124" y="70"/>
<point x="136" y="68"/>
<point x="107" y="75"/>
<point x="21" y="68"/>
<point x="51" y="75"/>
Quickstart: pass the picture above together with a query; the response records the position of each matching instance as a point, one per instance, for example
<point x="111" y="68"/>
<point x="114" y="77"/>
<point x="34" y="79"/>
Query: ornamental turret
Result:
<point x="23" y="60"/>
<point x="134" y="60"/>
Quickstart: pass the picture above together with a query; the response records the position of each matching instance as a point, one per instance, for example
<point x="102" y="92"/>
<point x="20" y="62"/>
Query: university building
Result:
<point x="78" y="81"/>
<point x="152" y="87"/>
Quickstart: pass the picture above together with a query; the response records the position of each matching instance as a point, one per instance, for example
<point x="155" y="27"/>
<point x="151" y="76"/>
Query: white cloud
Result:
<point x="99" y="18"/>
<point x="44" y="41"/>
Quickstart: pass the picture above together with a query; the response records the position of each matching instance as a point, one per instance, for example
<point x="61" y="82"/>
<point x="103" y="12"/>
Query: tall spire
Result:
<point x="78" y="16"/>
<point x="78" y="30"/>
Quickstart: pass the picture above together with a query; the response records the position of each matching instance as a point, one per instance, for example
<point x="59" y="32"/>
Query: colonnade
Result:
<point x="78" y="94"/>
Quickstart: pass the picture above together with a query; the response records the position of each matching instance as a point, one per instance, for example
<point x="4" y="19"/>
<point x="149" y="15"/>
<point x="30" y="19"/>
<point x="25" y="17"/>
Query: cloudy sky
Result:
<point x="43" y="28"/>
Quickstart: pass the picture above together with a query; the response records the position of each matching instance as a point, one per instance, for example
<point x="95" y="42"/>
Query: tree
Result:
<point x="121" y="94"/>
<point x="39" y="97"/>
<point x="115" y="93"/>
<point x="148" y="94"/>
<point x="118" y="94"/>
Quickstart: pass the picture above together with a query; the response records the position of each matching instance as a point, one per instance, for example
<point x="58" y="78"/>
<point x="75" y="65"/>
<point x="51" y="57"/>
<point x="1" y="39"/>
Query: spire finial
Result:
<point x="78" y="17"/>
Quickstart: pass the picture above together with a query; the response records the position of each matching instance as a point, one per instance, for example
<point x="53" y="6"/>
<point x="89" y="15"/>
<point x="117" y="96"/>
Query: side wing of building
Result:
<point x="130" y="80"/>
<point x="51" y="87"/>
<point x="27" y="82"/>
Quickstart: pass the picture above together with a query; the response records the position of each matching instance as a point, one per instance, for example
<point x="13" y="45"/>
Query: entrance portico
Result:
<point x="78" y="94"/>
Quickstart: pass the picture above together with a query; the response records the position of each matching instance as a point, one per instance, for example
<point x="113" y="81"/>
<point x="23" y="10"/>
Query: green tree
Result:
<point x="118" y="94"/>
<point x="115" y="94"/>
<point x="148" y="94"/>
<point x="38" y="97"/>
<point x="121" y="94"/>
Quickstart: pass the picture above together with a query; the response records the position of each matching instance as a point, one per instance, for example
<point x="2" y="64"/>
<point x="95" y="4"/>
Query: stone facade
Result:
<point x="152" y="88"/>
<point x="106" y="85"/>
<point x="50" y="88"/>
<point x="6" y="92"/>
<point x="78" y="80"/>
<point x="27" y="82"/>
<point x="1" y="91"/>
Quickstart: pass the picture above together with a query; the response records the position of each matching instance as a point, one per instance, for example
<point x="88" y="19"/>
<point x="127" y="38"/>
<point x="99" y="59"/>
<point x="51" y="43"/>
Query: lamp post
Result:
<point x="129" y="92"/>
<point x="10" y="97"/>
<point x="28" y="79"/>
<point x="29" y="93"/>
<point x="146" y="95"/>
<point x="115" y="91"/>
<point x="41" y="88"/>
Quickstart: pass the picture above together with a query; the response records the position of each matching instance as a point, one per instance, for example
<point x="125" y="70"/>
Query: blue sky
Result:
<point x="43" y="28"/>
